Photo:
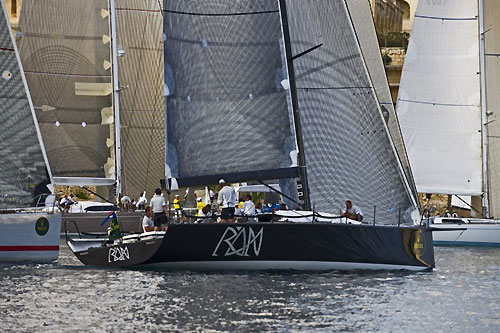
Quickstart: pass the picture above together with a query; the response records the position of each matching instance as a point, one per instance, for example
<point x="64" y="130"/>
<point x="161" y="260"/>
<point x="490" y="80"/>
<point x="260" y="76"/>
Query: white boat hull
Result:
<point x="475" y="234"/>
<point x="31" y="237"/>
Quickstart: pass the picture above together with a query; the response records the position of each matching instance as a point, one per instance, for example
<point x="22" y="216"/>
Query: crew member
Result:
<point x="147" y="222"/>
<point x="177" y="207"/>
<point x="160" y="209"/>
<point x="353" y="212"/>
<point x="226" y="199"/>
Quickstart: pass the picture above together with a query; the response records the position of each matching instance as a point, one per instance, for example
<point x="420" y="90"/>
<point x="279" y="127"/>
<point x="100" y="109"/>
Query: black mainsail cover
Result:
<point x="227" y="110"/>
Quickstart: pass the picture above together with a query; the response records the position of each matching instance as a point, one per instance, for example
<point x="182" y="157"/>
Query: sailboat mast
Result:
<point x="116" y="95"/>
<point x="295" y="103"/>
<point x="484" y="115"/>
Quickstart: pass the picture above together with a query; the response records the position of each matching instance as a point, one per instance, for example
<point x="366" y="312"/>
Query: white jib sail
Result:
<point x="439" y="98"/>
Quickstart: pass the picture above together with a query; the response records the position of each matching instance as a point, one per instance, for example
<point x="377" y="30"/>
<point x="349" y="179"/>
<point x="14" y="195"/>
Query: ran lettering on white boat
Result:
<point x="240" y="241"/>
<point x="118" y="254"/>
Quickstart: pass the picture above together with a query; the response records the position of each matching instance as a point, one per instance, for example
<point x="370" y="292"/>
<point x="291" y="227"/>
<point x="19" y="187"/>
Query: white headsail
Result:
<point x="439" y="98"/>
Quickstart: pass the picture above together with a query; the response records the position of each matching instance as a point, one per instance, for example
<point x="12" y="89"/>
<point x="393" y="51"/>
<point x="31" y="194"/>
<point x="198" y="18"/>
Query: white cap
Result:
<point x="176" y="195"/>
<point x="222" y="181"/>
<point x="198" y="199"/>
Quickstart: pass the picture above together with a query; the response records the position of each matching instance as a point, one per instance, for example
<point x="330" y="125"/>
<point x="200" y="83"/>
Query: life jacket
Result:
<point x="177" y="206"/>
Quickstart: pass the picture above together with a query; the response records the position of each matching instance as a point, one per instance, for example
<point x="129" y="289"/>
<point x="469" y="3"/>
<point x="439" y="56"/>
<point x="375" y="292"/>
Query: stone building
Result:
<point x="389" y="15"/>
<point x="14" y="10"/>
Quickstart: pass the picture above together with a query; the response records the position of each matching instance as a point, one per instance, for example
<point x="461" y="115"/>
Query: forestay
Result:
<point x="348" y="152"/>
<point x="140" y="69"/>
<point x="23" y="169"/>
<point x="364" y="26"/>
<point x="492" y="55"/>
<point x="227" y="112"/>
<point x="439" y="98"/>
<point x="65" y="50"/>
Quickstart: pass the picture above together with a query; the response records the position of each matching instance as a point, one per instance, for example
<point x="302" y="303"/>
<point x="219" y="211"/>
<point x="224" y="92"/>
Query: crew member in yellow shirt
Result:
<point x="177" y="207"/>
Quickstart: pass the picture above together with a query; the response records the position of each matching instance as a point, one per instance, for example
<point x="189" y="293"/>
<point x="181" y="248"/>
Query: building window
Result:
<point x="13" y="7"/>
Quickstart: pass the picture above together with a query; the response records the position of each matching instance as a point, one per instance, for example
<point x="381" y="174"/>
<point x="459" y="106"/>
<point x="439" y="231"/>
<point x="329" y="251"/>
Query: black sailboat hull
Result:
<point x="258" y="246"/>
<point x="298" y="246"/>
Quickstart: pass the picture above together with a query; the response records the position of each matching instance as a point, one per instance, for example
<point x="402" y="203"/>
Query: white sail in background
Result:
<point x="492" y="75"/>
<point x="439" y="98"/>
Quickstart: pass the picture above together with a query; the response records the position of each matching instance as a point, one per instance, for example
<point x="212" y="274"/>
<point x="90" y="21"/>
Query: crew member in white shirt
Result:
<point x="248" y="208"/>
<point x="147" y="222"/>
<point x="226" y="199"/>
<point x="160" y="209"/>
<point x="353" y="212"/>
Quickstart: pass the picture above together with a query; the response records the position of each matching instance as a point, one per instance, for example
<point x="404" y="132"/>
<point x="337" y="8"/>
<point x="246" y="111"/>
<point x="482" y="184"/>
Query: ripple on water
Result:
<point x="460" y="295"/>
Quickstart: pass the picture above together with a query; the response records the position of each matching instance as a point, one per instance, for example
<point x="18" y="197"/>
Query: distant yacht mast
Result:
<point x="484" y="107"/>
<point x="116" y="94"/>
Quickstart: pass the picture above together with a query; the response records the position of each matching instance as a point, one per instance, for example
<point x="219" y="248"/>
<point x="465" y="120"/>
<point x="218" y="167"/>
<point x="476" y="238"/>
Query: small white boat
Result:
<point x="469" y="232"/>
<point x="29" y="236"/>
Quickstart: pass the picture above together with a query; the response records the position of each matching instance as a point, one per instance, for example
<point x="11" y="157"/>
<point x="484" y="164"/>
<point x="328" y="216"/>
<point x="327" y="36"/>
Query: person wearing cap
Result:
<point x="226" y="199"/>
<point x="177" y="207"/>
<point x="160" y="209"/>
<point x="353" y="212"/>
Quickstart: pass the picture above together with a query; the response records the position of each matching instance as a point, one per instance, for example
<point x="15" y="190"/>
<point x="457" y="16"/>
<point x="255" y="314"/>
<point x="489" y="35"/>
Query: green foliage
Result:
<point x="394" y="39"/>
<point x="82" y="195"/>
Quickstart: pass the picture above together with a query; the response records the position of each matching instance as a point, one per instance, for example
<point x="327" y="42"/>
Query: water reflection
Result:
<point x="461" y="295"/>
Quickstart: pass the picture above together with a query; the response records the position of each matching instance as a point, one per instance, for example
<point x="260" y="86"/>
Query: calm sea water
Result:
<point x="462" y="295"/>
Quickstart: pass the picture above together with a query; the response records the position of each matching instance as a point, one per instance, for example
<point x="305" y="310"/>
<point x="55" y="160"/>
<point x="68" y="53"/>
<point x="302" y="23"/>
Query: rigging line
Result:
<point x="66" y="74"/>
<point x="434" y="103"/>
<point x="280" y="193"/>
<point x="447" y="18"/>
<point x="333" y="88"/>
<point x="219" y="14"/>
<point x="465" y="202"/>
<point x="97" y="195"/>
<point x="137" y="10"/>
<point x="306" y="51"/>
<point x="492" y="54"/>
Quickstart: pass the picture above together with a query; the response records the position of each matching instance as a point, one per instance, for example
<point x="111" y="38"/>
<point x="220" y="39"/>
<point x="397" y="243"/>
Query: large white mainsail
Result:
<point x="75" y="58"/>
<point x="65" y="50"/>
<point x="348" y="151"/>
<point x="439" y="98"/>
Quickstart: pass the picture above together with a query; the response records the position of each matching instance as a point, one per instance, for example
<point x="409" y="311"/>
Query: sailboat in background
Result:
<point x="447" y="105"/>
<point x="96" y="82"/>
<point x="277" y="90"/>
<point x="26" y="234"/>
